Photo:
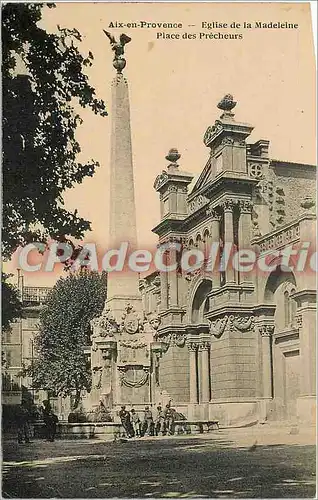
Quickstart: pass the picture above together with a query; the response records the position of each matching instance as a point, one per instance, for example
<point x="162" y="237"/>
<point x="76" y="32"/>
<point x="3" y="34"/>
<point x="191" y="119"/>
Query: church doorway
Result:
<point x="286" y="367"/>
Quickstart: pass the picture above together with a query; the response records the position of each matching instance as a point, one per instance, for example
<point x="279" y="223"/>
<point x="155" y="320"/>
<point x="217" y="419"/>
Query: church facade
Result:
<point x="216" y="340"/>
<point x="236" y="345"/>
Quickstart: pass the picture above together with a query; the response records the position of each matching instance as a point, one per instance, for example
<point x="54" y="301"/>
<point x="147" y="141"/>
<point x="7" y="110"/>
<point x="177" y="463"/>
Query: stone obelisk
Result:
<point x="122" y="285"/>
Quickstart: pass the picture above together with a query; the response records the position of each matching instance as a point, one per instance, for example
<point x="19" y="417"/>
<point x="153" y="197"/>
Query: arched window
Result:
<point x="207" y="243"/>
<point x="292" y="307"/>
<point x="198" y="242"/>
<point x="286" y="308"/>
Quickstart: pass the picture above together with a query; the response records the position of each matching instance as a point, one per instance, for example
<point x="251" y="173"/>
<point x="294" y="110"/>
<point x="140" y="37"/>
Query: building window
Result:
<point x="290" y="308"/>
<point x="218" y="164"/>
<point x="165" y="206"/>
<point x="286" y="308"/>
<point x="8" y="359"/>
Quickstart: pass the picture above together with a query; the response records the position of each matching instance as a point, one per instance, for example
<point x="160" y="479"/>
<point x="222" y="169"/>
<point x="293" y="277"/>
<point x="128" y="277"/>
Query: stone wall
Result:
<point x="294" y="184"/>
<point x="174" y="373"/>
<point x="233" y="365"/>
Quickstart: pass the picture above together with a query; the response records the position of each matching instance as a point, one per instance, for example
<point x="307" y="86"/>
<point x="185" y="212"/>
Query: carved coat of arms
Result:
<point x="131" y="321"/>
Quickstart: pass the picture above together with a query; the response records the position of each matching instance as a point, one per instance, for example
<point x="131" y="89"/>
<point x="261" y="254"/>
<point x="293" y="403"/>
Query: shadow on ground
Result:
<point x="163" y="468"/>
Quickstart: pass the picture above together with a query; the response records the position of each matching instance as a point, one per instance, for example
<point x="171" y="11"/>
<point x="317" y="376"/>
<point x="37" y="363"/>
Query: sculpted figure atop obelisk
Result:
<point x="122" y="286"/>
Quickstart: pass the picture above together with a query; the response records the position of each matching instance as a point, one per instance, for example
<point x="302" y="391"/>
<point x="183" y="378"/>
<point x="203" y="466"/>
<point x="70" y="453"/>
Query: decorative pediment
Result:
<point x="204" y="178"/>
<point x="212" y="132"/>
<point x="161" y="179"/>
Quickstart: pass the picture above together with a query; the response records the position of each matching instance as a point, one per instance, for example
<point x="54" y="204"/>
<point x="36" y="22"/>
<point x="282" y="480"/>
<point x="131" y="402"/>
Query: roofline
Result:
<point x="292" y="163"/>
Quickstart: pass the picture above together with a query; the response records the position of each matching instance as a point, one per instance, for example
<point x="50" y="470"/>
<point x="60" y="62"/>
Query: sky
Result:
<point x="175" y="86"/>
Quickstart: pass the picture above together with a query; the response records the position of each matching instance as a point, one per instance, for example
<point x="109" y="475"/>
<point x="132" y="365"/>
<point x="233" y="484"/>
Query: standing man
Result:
<point x="135" y="420"/>
<point x="169" y="418"/>
<point x="159" y="421"/>
<point x="23" y="418"/>
<point x="124" y="416"/>
<point x="50" y="421"/>
<point x="148" y="425"/>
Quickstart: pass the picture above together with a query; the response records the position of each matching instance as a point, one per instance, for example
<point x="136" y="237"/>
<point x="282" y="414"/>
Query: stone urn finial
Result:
<point x="173" y="156"/>
<point x="307" y="203"/>
<point x="227" y="104"/>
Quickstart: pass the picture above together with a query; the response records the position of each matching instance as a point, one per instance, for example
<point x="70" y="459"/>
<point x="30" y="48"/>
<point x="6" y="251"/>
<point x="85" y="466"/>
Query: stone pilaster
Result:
<point x="193" y="372"/>
<point x="163" y="291"/>
<point x="266" y="332"/>
<point x="244" y="233"/>
<point x="204" y="347"/>
<point x="215" y="240"/>
<point x="173" y="279"/>
<point x="228" y="206"/>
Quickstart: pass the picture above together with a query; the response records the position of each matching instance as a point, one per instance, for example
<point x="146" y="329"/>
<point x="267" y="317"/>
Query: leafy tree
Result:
<point x="10" y="302"/>
<point x="60" y="364"/>
<point x="39" y="125"/>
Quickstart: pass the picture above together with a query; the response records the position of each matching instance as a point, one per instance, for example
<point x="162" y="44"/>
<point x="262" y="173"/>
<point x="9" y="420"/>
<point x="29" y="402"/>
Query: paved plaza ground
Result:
<point x="256" y="462"/>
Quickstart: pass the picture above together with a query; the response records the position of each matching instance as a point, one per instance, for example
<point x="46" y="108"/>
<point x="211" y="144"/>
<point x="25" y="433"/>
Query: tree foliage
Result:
<point x="10" y="302"/>
<point x="61" y="365"/>
<point x="39" y="125"/>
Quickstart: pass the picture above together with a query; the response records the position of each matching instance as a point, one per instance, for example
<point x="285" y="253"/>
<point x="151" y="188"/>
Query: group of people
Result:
<point x="24" y="419"/>
<point x="161" y="422"/>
